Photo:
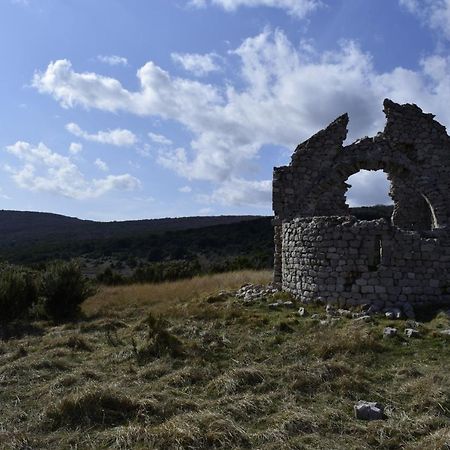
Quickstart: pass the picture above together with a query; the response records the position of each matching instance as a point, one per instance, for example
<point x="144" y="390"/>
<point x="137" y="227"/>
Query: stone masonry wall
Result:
<point x="347" y="262"/>
<point x="323" y="253"/>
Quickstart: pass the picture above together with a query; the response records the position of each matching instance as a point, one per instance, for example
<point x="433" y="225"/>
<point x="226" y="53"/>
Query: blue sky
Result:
<point x="128" y="109"/>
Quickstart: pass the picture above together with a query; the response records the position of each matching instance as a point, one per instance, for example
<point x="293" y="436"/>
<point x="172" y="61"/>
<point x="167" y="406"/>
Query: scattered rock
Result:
<point x="394" y="313"/>
<point x="253" y="292"/>
<point x="288" y="304"/>
<point x="302" y="312"/>
<point x="412" y="324"/>
<point x="369" y="410"/>
<point x="315" y="316"/>
<point x="275" y="305"/>
<point x="345" y="313"/>
<point x="445" y="332"/>
<point x="389" y="332"/>
<point x="365" y="318"/>
<point x="411" y="333"/>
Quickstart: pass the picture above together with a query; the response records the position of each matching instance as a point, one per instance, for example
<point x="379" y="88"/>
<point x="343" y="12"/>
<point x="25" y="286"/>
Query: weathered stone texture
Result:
<point x="323" y="253"/>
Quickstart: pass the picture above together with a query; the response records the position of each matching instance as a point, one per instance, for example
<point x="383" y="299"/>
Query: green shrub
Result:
<point x="64" y="288"/>
<point x="17" y="293"/>
<point x="110" y="277"/>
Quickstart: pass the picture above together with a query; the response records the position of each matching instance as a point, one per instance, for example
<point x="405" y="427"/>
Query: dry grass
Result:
<point x="163" y="297"/>
<point x="161" y="367"/>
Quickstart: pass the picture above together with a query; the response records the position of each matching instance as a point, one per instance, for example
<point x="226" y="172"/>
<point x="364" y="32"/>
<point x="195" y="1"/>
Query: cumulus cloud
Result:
<point x="185" y="189"/>
<point x="368" y="188"/>
<point x="113" y="60"/>
<point x="75" y="148"/>
<point x="159" y="139"/>
<point x="434" y="13"/>
<point x="101" y="165"/>
<point x="240" y="192"/>
<point x="199" y="65"/>
<point x="298" y="8"/>
<point x="118" y="137"/>
<point x="285" y="94"/>
<point x="47" y="171"/>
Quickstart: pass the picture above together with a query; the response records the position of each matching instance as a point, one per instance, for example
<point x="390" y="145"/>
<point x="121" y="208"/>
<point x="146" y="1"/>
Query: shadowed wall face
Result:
<point x="323" y="253"/>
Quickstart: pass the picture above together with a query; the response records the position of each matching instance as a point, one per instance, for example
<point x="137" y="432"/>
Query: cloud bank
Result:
<point x="285" y="94"/>
<point x="118" y="137"/>
<point x="44" y="170"/>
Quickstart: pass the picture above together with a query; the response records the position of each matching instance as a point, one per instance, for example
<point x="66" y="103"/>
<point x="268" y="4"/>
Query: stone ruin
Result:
<point x="322" y="253"/>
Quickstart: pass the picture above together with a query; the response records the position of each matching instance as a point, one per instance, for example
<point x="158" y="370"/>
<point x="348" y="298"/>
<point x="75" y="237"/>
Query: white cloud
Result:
<point x="185" y="189"/>
<point x="241" y="192"/>
<point x="75" y="148"/>
<point x="368" y="188"/>
<point x="47" y="171"/>
<point x="285" y="94"/>
<point x="199" y="65"/>
<point x="298" y="8"/>
<point x="113" y="60"/>
<point x="118" y="137"/>
<point x="101" y="165"/>
<point x="159" y="139"/>
<point x="434" y="13"/>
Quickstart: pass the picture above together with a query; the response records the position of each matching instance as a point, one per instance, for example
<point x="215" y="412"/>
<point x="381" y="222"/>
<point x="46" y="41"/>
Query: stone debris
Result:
<point x="252" y="292"/>
<point x="413" y="324"/>
<point x="411" y="333"/>
<point x="369" y="411"/>
<point x="302" y="312"/>
<point x="394" y="313"/>
<point x="274" y="305"/>
<point x="365" y="318"/>
<point x="345" y="313"/>
<point x="389" y="332"/>
<point x="322" y="252"/>
<point x="445" y="332"/>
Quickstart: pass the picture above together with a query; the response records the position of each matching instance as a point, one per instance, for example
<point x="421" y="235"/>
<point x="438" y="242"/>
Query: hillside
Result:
<point x="216" y="373"/>
<point x="217" y="243"/>
<point x="24" y="226"/>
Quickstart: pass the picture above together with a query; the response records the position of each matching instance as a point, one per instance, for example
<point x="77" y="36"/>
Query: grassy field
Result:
<point x="173" y="366"/>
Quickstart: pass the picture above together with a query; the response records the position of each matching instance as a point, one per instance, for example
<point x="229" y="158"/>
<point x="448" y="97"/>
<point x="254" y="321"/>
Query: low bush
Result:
<point x="159" y="342"/>
<point x="18" y="292"/>
<point x="63" y="288"/>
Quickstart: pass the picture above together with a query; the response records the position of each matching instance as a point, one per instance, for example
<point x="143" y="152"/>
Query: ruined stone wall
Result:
<point x="343" y="261"/>
<point x="322" y="253"/>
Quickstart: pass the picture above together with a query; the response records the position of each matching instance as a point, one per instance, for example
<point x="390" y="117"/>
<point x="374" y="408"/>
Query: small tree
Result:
<point x="64" y="288"/>
<point x="17" y="293"/>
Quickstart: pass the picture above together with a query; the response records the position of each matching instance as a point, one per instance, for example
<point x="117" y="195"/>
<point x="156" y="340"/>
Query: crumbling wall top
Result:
<point x="413" y="149"/>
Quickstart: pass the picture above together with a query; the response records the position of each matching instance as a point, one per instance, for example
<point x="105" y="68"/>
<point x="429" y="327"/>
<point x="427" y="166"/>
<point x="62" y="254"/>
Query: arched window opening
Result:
<point x="368" y="195"/>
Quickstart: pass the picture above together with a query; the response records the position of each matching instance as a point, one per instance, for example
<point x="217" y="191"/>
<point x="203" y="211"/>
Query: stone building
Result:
<point x="324" y="253"/>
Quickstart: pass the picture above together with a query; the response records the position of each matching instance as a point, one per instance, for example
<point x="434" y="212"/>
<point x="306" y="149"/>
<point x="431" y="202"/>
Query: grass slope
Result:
<point x="213" y="373"/>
